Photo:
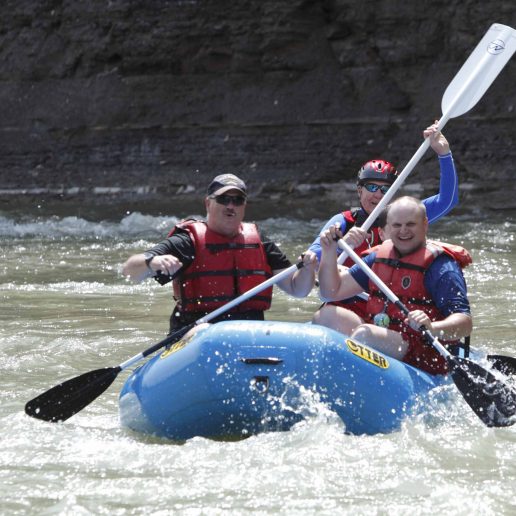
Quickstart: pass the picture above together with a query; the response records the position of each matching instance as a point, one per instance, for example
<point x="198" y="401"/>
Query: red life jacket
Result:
<point x="405" y="277"/>
<point x="351" y="217"/>
<point x="223" y="269"/>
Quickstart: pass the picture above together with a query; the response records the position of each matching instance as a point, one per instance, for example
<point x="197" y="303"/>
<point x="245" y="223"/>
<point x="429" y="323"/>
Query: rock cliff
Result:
<point x="147" y="100"/>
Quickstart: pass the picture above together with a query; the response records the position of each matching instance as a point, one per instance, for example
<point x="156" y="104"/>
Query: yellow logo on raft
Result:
<point x="175" y="347"/>
<point x="367" y="354"/>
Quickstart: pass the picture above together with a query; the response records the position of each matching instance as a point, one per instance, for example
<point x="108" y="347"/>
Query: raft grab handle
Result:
<point x="262" y="360"/>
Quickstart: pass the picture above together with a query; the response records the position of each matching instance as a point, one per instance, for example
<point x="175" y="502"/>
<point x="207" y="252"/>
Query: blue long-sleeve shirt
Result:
<point x="437" y="206"/>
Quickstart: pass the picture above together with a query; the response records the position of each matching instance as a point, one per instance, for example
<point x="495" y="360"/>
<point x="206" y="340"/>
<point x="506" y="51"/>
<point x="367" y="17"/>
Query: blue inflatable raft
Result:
<point x="239" y="378"/>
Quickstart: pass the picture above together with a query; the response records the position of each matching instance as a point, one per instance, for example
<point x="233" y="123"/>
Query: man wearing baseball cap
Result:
<point x="214" y="261"/>
<point x="226" y="182"/>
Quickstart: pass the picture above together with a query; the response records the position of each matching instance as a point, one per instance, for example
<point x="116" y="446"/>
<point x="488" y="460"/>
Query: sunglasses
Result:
<point x="226" y="200"/>
<point x="371" y="187"/>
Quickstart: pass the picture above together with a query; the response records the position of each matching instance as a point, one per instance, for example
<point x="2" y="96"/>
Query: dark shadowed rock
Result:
<point x="135" y="103"/>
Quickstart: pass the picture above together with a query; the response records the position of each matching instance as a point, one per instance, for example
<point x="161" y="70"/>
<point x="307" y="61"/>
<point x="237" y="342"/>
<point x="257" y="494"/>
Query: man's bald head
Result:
<point x="406" y="203"/>
<point x="406" y="225"/>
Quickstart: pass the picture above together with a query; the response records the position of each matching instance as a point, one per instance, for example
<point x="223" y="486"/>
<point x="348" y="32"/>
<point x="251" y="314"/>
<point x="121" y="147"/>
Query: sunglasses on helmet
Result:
<point x="371" y="187"/>
<point x="226" y="200"/>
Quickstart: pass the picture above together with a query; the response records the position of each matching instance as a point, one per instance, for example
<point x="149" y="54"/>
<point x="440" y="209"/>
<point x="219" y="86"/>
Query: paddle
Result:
<point x="66" y="399"/>
<point x="467" y="87"/>
<point x="503" y="363"/>
<point x="492" y="400"/>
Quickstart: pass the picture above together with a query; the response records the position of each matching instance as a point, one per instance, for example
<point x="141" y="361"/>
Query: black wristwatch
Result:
<point x="148" y="258"/>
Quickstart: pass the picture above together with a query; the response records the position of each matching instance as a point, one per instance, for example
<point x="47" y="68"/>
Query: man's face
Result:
<point x="406" y="227"/>
<point x="226" y="212"/>
<point x="369" y="200"/>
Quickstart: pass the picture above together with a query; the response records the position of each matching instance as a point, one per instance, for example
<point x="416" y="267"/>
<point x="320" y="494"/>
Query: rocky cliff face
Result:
<point x="152" y="98"/>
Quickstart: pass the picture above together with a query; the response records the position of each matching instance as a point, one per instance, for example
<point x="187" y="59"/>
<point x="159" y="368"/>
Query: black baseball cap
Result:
<point x="224" y="183"/>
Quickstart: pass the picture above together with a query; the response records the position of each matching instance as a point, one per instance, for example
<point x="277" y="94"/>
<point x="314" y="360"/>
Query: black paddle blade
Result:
<point x="503" y="363"/>
<point x="66" y="399"/>
<point x="492" y="400"/>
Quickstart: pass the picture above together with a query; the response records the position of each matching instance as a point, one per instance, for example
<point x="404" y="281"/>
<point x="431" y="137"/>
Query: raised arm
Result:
<point x="439" y="205"/>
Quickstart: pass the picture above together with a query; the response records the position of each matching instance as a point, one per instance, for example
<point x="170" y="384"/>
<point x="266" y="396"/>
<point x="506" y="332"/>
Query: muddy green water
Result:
<point x="65" y="309"/>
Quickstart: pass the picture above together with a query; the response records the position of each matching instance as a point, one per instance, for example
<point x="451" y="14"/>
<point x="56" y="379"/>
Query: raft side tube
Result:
<point x="238" y="378"/>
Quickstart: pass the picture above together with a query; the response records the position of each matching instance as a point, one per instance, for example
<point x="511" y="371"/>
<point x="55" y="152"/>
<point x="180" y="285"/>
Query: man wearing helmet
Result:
<point x="373" y="180"/>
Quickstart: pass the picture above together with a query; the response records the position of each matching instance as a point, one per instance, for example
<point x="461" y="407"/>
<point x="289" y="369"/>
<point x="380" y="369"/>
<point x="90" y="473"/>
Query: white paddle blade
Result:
<point x="480" y="70"/>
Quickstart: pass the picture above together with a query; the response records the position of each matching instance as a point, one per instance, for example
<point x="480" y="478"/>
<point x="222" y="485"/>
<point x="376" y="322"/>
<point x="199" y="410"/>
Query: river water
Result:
<point x="66" y="309"/>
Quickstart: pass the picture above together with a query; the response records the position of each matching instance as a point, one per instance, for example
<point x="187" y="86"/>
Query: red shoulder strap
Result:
<point x="461" y="255"/>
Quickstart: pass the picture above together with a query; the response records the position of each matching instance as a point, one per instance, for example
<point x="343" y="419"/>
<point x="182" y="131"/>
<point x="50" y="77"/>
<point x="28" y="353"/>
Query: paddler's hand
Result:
<point x="192" y="331"/>
<point x="309" y="259"/>
<point x="329" y="237"/>
<point x="437" y="140"/>
<point x="418" y="318"/>
<point x="165" y="263"/>
<point x="355" y="236"/>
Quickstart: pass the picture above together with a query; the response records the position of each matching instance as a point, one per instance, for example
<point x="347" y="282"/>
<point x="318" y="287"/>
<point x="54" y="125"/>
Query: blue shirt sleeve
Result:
<point x="446" y="284"/>
<point x="439" y="205"/>
<point x="316" y="244"/>
<point x="359" y="275"/>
